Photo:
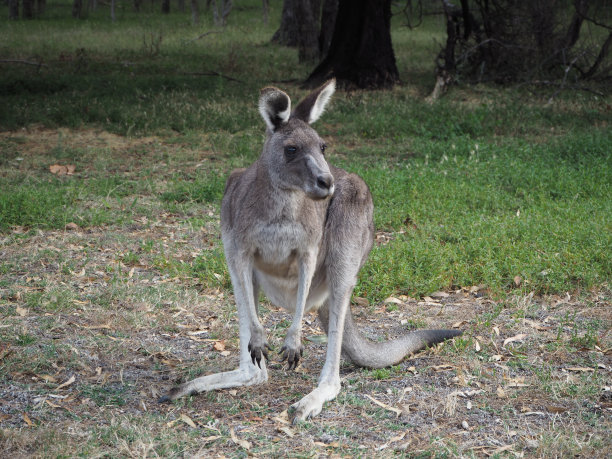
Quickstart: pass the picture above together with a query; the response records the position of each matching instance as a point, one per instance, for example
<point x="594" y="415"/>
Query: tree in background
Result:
<point x="535" y="42"/>
<point x="360" y="52"/>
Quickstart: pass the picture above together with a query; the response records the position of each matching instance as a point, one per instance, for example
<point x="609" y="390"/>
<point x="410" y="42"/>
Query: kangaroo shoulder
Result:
<point x="233" y="179"/>
<point x="350" y="187"/>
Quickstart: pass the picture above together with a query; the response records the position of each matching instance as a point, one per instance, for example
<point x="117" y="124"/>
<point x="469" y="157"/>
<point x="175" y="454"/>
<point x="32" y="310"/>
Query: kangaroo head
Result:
<point x="294" y="153"/>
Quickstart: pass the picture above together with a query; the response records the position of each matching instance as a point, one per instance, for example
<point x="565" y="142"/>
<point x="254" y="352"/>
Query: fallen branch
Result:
<point x="19" y="61"/>
<point x="203" y="35"/>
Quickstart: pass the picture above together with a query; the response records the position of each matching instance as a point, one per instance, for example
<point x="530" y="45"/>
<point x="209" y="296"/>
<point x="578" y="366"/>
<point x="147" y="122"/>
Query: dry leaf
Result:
<point x="282" y="418"/>
<point x="500" y="392"/>
<point x="71" y="226"/>
<point x="519" y="337"/>
<point x="209" y="439"/>
<point x="47" y="378"/>
<point x="287" y="431"/>
<point x="439" y="295"/>
<point x="219" y="345"/>
<point x="187" y="420"/>
<point x="580" y="369"/>
<point x="242" y="443"/>
<point x="459" y="324"/>
<point x="556" y="409"/>
<point x="21" y="311"/>
<point x="393" y="300"/>
<point x="225" y="353"/>
<point x="476" y="345"/>
<point x="517" y="280"/>
<point x="361" y="301"/>
<point x="67" y="383"/>
<point x="27" y="420"/>
<point x="442" y="367"/>
<point x="397" y="411"/>
<point x="398" y="437"/>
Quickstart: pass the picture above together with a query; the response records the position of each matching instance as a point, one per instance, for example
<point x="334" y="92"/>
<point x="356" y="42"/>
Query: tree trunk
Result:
<point x="287" y="33"/>
<point x="13" y="9"/>
<point x="360" y="53"/>
<point x="328" y="22"/>
<point x="181" y="6"/>
<point x="40" y="7"/>
<point x="308" y="43"/>
<point x="113" y="17"/>
<point x="27" y="11"/>
<point x="77" y="8"/>
<point x="165" y="6"/>
<point x="195" y="12"/>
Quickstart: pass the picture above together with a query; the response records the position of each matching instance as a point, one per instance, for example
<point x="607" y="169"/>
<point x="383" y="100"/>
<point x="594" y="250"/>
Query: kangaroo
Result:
<point x="300" y="230"/>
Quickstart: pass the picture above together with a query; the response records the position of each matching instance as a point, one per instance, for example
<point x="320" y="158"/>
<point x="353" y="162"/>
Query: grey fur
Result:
<point x="300" y="230"/>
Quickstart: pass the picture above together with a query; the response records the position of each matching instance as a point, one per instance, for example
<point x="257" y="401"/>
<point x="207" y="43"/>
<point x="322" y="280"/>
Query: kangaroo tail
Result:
<point x="365" y="353"/>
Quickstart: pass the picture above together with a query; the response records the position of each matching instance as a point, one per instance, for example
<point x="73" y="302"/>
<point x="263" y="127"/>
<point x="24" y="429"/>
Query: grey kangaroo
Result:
<point x="300" y="230"/>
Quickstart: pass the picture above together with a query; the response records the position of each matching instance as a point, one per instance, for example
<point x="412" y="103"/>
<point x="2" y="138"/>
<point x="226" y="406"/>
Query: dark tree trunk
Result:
<point x="40" y="7"/>
<point x="181" y="6"/>
<point x="13" y="9"/>
<point x="165" y="6"/>
<point x="113" y="16"/>
<point x="137" y="5"/>
<point x="77" y="8"/>
<point x="288" y="32"/>
<point x="195" y="12"/>
<point x="266" y="10"/>
<point x="360" y="53"/>
<point x="27" y="9"/>
<point x="328" y="21"/>
<point x="308" y="42"/>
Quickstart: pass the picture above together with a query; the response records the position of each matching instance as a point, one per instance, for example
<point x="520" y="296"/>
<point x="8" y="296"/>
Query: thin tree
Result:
<point x="195" y="12"/>
<point x="13" y="10"/>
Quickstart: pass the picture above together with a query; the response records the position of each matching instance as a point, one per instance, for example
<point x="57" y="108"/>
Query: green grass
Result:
<point x="493" y="182"/>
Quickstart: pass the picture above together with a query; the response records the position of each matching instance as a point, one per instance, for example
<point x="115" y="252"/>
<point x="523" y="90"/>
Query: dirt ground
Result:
<point x="95" y="327"/>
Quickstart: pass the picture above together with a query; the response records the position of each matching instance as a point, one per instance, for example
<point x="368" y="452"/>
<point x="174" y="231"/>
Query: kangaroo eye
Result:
<point x="323" y="148"/>
<point x="290" y="151"/>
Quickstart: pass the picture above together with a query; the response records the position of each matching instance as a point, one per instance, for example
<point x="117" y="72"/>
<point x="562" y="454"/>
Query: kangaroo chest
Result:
<point x="278" y="246"/>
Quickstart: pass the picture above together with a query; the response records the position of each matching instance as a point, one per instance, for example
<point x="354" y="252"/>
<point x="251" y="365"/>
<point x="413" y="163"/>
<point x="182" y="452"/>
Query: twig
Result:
<point x="203" y="35"/>
<point x="213" y="73"/>
<point x="18" y="61"/>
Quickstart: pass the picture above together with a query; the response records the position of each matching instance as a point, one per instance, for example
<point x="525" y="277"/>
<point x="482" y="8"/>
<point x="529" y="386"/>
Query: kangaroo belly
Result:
<point x="282" y="291"/>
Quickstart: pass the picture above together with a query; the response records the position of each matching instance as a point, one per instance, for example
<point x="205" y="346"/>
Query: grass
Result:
<point x="494" y="195"/>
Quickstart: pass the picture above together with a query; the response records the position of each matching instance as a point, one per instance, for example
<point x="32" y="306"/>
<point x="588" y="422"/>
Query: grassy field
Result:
<point x="493" y="214"/>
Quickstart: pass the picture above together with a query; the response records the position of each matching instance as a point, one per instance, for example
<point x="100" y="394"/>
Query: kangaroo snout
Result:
<point x="326" y="182"/>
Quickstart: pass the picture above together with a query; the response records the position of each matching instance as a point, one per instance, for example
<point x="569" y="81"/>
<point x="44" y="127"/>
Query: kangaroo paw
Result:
<point x="312" y="404"/>
<point x="257" y="351"/>
<point x="292" y="356"/>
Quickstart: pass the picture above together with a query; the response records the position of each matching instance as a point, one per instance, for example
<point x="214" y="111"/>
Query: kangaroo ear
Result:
<point x="313" y="106"/>
<point x="275" y="107"/>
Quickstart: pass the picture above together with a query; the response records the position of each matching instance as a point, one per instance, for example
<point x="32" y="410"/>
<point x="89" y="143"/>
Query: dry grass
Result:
<point x="98" y="322"/>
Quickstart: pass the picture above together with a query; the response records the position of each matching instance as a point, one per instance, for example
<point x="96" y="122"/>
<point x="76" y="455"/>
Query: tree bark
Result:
<point x="13" y="9"/>
<point x="165" y="6"/>
<point x="308" y="43"/>
<point x="265" y="4"/>
<point x="328" y="22"/>
<point x="27" y="11"/>
<point x="195" y="12"/>
<point x="77" y="8"/>
<point x="360" y="53"/>
<point x="40" y="7"/>
<point x="287" y="33"/>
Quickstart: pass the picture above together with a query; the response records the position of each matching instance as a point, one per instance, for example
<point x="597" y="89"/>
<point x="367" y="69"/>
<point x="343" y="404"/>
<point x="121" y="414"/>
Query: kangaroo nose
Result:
<point x="325" y="181"/>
